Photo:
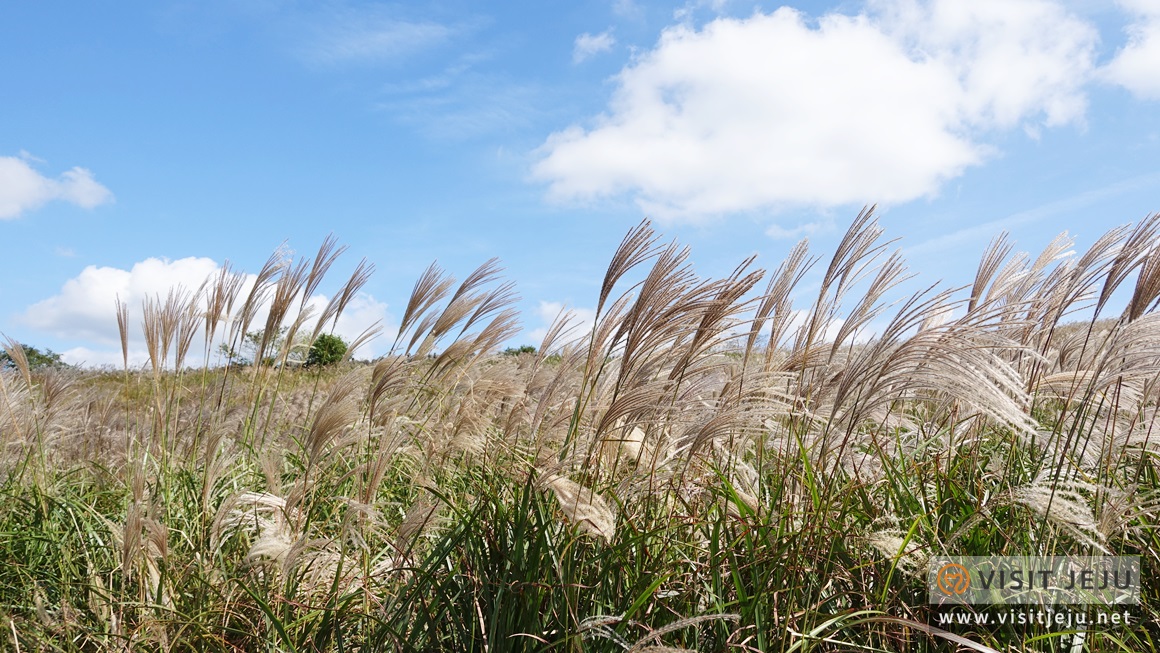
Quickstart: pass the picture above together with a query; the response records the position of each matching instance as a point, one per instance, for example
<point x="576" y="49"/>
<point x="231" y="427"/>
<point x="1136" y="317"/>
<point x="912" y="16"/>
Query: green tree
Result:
<point x="326" y="350"/>
<point x="36" y="358"/>
<point x="247" y="351"/>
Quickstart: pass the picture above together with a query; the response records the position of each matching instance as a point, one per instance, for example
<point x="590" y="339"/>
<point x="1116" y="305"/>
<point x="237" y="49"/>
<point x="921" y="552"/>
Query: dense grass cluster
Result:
<point x="728" y="464"/>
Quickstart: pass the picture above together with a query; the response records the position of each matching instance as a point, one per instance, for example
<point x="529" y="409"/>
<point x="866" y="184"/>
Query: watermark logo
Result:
<point x="953" y="579"/>
<point x="1037" y="580"/>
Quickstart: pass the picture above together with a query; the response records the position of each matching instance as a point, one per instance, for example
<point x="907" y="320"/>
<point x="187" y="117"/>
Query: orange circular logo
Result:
<point x="953" y="579"/>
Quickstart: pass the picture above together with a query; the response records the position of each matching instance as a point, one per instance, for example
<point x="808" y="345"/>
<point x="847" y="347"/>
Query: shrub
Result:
<point x="326" y="350"/>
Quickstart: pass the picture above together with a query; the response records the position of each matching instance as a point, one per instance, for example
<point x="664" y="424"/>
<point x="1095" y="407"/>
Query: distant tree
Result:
<point x="36" y="358"/>
<point x="326" y="350"/>
<point x="247" y="350"/>
<point x="516" y="351"/>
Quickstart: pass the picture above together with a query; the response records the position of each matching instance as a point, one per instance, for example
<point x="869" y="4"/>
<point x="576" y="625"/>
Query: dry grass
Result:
<point x="708" y="468"/>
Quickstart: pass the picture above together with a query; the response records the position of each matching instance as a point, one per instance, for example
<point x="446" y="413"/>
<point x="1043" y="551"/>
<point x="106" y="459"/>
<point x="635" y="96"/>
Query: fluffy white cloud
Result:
<point x="89" y="357"/>
<point x="85" y="307"/>
<point x="84" y="310"/>
<point x="362" y="313"/>
<point x="22" y="188"/>
<point x="1137" y="65"/>
<point x="587" y="45"/>
<point x="1013" y="60"/>
<point x="778" y="109"/>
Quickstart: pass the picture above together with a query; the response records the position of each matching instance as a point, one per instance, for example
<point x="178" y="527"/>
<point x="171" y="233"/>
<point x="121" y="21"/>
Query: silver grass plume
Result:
<point x="582" y="506"/>
<point x="1065" y="504"/>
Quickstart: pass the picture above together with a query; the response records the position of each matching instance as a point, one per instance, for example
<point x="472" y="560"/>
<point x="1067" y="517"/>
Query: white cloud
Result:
<point x="581" y="324"/>
<point x="84" y="311"/>
<point x="797" y="322"/>
<point x="777" y="110"/>
<point x="464" y="104"/>
<point x="691" y="7"/>
<point x="85" y="307"/>
<point x="627" y="9"/>
<point x="588" y="45"/>
<point x="88" y="357"/>
<point x="23" y="189"/>
<point x="1136" y="66"/>
<point x="362" y="313"/>
<point x="1015" y="60"/>
<point x="377" y="40"/>
<point x="977" y="235"/>
<point x="341" y="33"/>
<point x="778" y="232"/>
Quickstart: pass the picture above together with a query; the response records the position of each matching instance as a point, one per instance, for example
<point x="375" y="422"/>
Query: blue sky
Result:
<point x="144" y="143"/>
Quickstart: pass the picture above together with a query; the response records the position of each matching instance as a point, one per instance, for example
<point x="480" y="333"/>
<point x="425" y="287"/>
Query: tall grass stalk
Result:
<point x="716" y="464"/>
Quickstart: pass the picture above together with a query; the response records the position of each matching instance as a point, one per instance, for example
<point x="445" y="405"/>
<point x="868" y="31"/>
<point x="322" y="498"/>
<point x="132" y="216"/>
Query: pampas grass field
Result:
<point x="715" y="465"/>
